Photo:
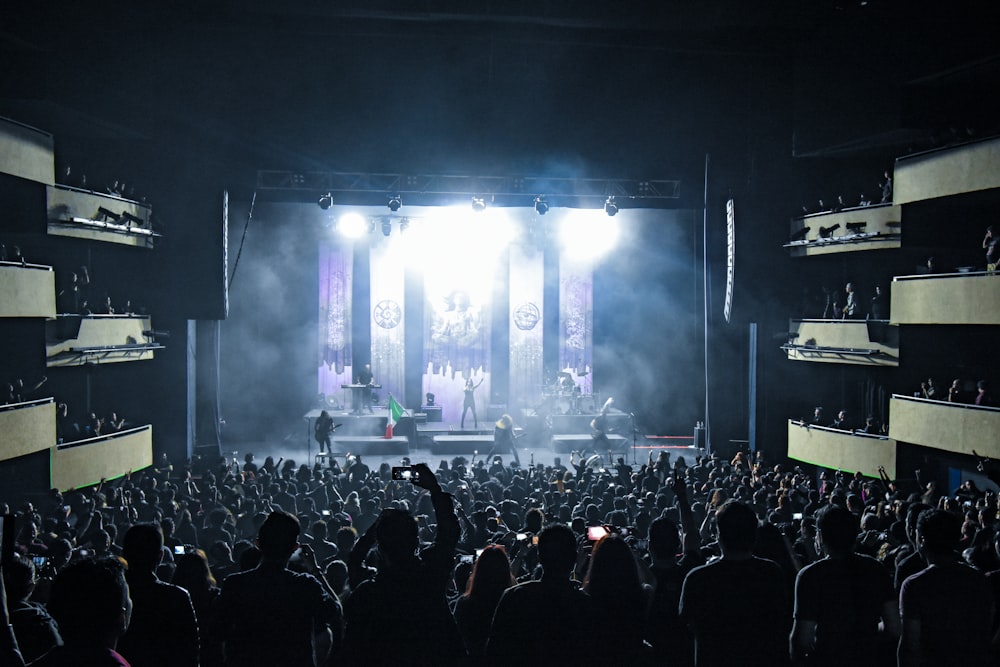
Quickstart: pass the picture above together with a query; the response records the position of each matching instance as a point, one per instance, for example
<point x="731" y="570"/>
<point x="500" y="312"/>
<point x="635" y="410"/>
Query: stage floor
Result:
<point x="436" y="441"/>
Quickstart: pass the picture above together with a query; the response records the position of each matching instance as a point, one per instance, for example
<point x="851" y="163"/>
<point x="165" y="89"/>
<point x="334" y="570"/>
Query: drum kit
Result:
<point x="564" y="397"/>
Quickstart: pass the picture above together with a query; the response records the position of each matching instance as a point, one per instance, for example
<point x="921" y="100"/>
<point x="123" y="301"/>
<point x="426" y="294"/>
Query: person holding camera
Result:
<point x="401" y="608"/>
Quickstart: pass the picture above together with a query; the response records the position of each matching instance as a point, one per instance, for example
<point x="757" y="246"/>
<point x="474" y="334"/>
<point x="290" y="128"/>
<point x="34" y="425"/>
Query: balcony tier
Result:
<point x="947" y="171"/>
<point x="952" y="427"/>
<point x="841" y="450"/>
<point x="951" y="298"/>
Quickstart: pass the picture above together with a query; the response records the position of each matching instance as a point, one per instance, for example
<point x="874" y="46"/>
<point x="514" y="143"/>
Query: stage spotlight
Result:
<point x="386" y="227"/>
<point x="404" y="224"/>
<point x="131" y="220"/>
<point x="394" y="203"/>
<point x="104" y="215"/>
<point x="827" y="232"/>
<point x="610" y="207"/>
<point x="541" y="206"/>
<point x="856" y="227"/>
<point x="352" y="225"/>
<point x="800" y="235"/>
<point x="478" y="204"/>
<point x="326" y="201"/>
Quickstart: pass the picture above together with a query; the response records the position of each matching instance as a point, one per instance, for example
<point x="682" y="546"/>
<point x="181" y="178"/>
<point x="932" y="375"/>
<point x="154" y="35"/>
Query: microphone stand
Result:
<point x="634" y="432"/>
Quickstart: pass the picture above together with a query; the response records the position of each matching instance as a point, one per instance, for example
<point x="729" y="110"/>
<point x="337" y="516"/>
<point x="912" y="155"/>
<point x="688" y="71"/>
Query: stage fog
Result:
<point x="534" y="314"/>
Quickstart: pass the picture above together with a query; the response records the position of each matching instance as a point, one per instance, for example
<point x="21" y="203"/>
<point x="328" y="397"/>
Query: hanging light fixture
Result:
<point x="541" y="205"/>
<point x="610" y="207"/>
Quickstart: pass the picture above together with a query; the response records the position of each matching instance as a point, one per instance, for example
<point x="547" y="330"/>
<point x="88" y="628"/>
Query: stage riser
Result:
<point x="453" y="445"/>
<point x="370" y="445"/>
<point x="360" y="426"/>
<point x="617" y="423"/>
<point x="565" y="444"/>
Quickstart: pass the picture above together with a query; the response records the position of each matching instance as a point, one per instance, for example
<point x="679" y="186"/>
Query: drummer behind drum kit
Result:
<point x="564" y="397"/>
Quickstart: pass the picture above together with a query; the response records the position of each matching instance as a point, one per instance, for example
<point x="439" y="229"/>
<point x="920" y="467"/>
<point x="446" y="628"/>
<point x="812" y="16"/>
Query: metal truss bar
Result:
<point x="466" y="185"/>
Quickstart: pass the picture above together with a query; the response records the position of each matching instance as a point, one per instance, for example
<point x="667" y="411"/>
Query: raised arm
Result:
<point x="448" y="529"/>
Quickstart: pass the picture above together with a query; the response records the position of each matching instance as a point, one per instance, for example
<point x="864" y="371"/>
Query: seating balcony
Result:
<point x="944" y="172"/>
<point x="86" y="462"/>
<point x="72" y="340"/>
<point x="861" y="342"/>
<point x="952" y="427"/>
<point x="950" y="298"/>
<point x="841" y="450"/>
<point x="28" y="427"/>
<point x="98" y="217"/>
<point x="874" y="227"/>
<point x="26" y="152"/>
<point x="27" y="290"/>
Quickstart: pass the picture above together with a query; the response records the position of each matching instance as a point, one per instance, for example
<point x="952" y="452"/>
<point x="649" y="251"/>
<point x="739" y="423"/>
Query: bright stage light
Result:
<point x="352" y="225"/>
<point x="453" y="246"/>
<point x="588" y="234"/>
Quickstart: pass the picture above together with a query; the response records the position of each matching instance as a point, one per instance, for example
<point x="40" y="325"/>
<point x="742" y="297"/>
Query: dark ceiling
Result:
<point x="567" y="88"/>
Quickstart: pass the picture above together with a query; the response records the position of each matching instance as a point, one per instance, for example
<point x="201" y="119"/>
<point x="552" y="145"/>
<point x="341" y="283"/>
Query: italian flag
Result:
<point x="395" y="412"/>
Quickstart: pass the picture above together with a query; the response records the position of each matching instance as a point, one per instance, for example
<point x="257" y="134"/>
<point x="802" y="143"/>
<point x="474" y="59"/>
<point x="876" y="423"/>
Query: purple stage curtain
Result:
<point x="576" y="322"/>
<point x="336" y="276"/>
<point x="387" y="318"/>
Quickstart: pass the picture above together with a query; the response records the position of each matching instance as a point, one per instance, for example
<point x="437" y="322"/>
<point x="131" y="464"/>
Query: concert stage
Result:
<point x="543" y="436"/>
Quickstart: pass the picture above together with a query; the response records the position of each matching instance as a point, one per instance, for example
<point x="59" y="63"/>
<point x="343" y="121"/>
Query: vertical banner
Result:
<point x="527" y="292"/>
<point x="336" y="275"/>
<point x="730" y="257"/>
<point x="576" y="326"/>
<point x="457" y="341"/>
<point x="388" y="345"/>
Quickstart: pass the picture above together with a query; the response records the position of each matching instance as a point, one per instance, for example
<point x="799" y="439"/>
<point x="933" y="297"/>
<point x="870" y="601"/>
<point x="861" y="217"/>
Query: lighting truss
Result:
<point x="436" y="189"/>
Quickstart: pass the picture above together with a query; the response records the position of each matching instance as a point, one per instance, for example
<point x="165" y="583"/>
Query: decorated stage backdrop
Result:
<point x="387" y="322"/>
<point x="527" y="304"/>
<point x="336" y="278"/>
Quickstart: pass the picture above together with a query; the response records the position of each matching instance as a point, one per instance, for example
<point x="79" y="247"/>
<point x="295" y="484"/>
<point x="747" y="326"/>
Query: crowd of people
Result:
<point x="716" y="562"/>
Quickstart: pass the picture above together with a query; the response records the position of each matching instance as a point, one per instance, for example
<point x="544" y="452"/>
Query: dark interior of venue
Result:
<point x="754" y="238"/>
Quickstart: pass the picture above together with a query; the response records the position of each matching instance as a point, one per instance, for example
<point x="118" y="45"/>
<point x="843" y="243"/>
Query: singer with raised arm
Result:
<point x="504" y="438"/>
<point x="470" y="401"/>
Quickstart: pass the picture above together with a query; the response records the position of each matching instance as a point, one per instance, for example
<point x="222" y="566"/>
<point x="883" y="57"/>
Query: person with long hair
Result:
<point x="193" y="574"/>
<point x="474" y="610"/>
<point x="614" y="584"/>
<point x="470" y="401"/>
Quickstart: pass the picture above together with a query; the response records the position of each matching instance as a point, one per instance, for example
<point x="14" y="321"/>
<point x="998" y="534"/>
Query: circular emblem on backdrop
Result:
<point x="526" y="316"/>
<point x="387" y="314"/>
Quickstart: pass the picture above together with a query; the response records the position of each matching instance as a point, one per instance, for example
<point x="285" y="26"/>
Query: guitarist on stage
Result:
<point x="322" y="430"/>
<point x="503" y="438"/>
<point x="599" y="427"/>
